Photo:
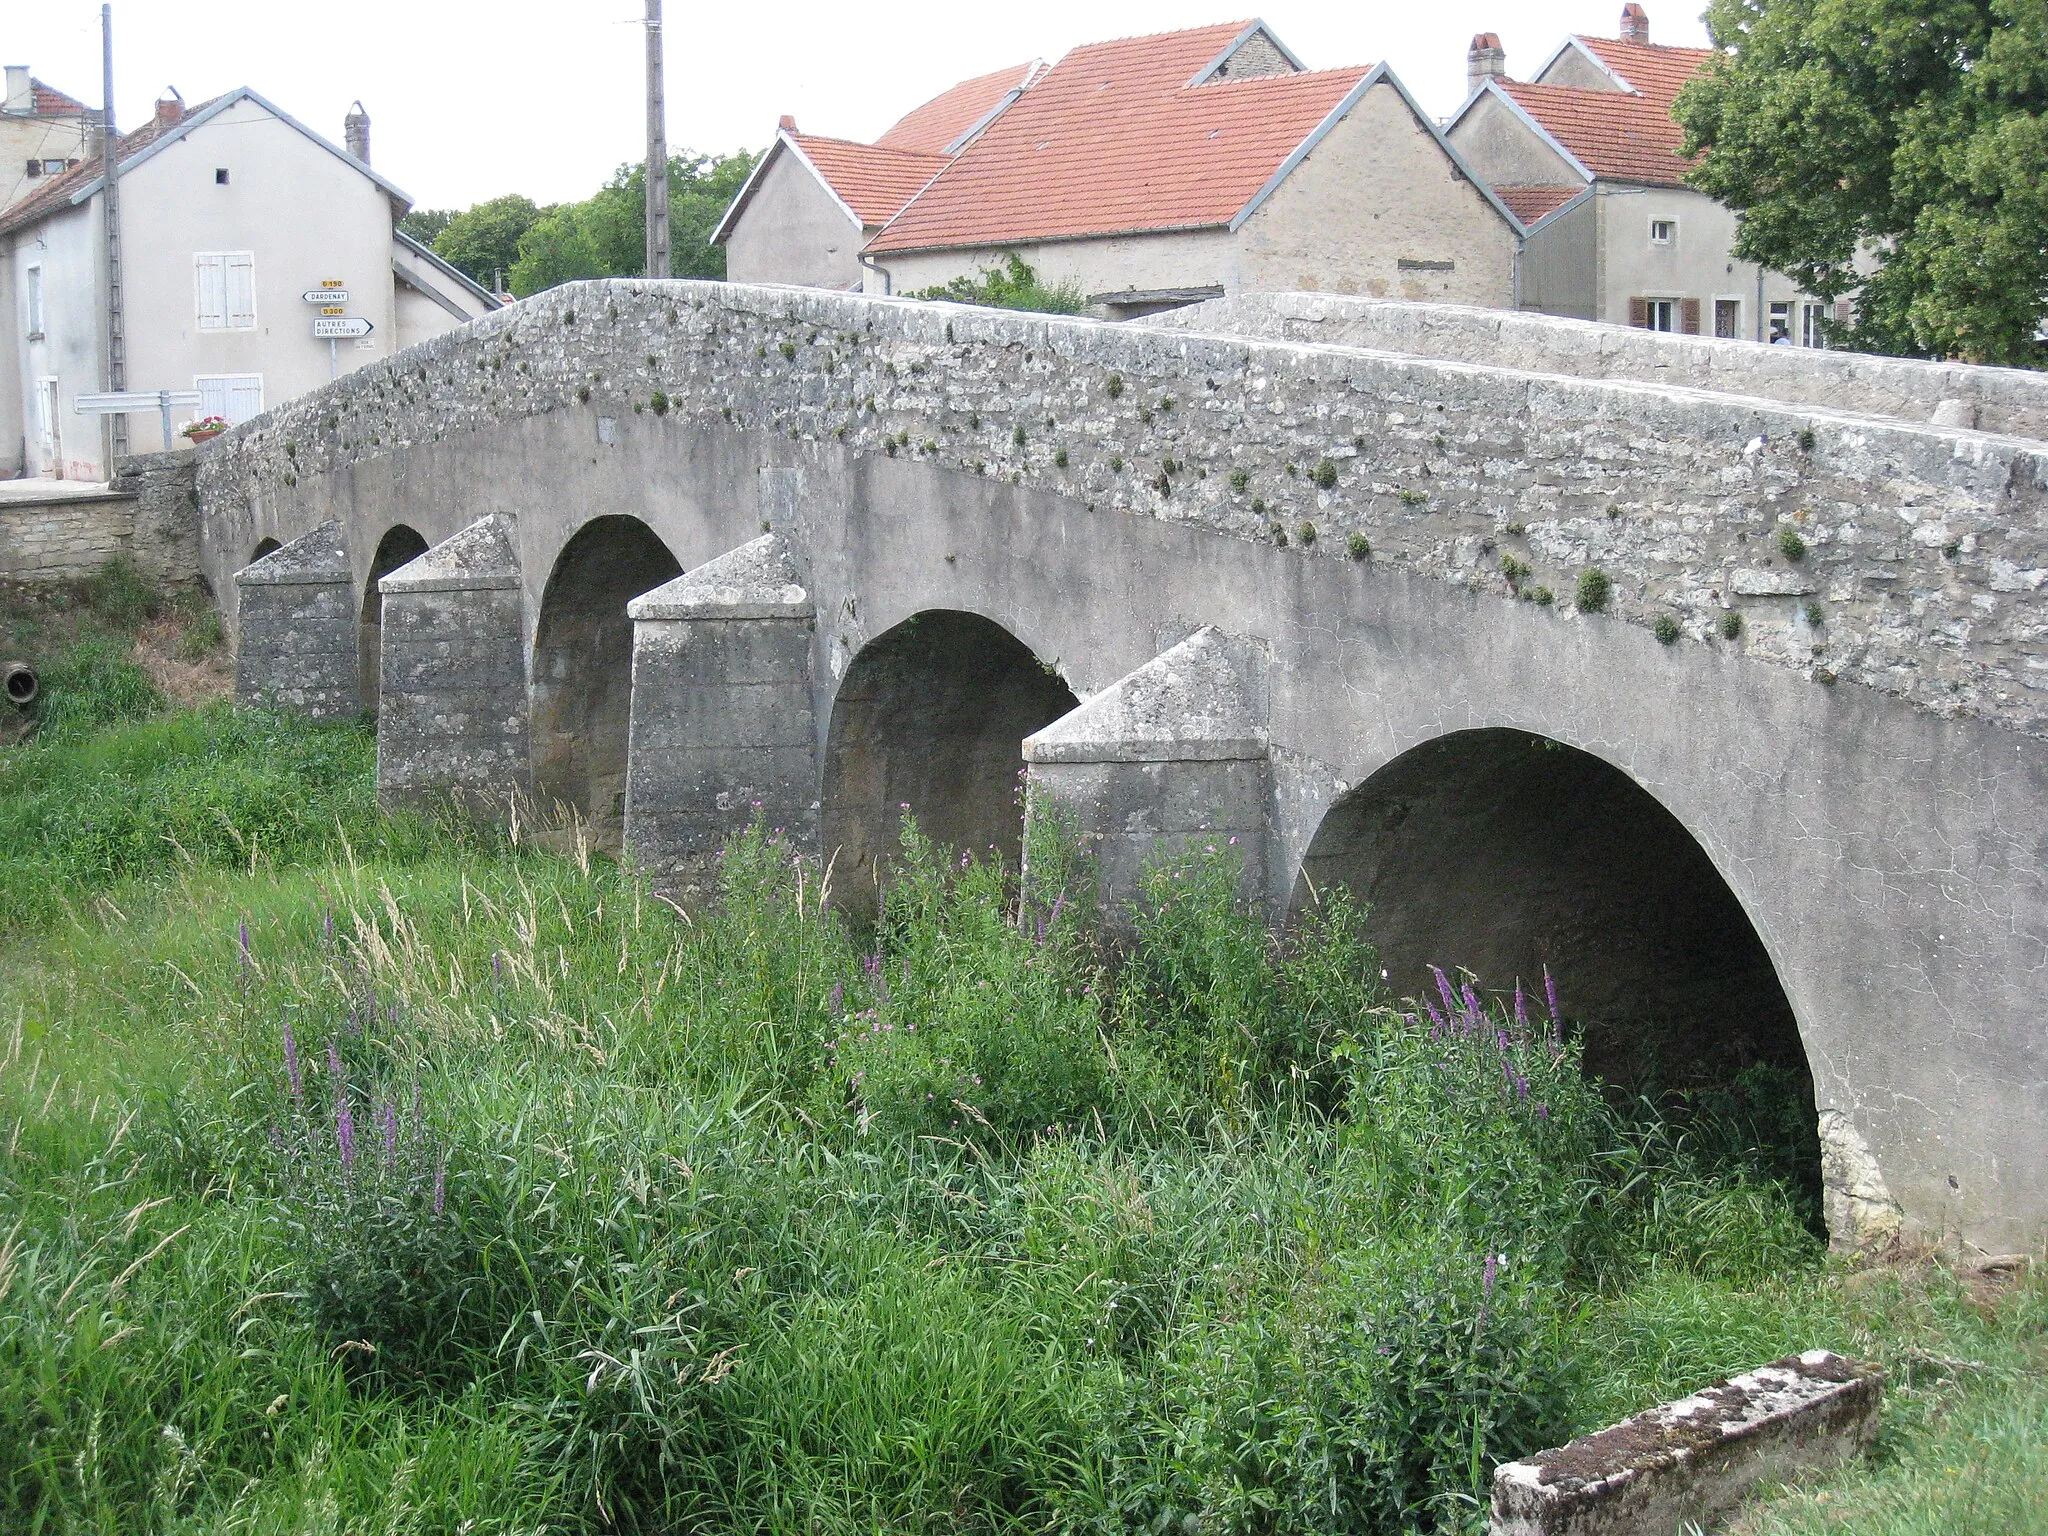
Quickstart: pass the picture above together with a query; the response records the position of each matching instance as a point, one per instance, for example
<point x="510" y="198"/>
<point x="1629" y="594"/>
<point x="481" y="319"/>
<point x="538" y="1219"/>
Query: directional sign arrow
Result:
<point x="329" y="328"/>
<point x="325" y="295"/>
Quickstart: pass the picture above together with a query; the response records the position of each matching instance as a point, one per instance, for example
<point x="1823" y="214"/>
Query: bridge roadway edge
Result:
<point x="1889" y="857"/>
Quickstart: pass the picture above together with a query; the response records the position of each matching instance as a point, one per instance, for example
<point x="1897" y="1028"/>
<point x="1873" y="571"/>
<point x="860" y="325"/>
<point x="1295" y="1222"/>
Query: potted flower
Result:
<point x="204" y="429"/>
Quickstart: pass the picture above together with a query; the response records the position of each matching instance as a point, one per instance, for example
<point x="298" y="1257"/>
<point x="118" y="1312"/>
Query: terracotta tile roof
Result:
<point x="930" y="128"/>
<point x="1613" y="134"/>
<point x="1653" y="69"/>
<point x="1531" y="203"/>
<point x="1114" y="139"/>
<point x="51" y="102"/>
<point x="873" y="181"/>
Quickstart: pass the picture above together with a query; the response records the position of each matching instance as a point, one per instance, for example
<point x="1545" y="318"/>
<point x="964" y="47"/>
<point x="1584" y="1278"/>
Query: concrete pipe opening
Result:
<point x="583" y="666"/>
<point x="1509" y="854"/>
<point x="264" y="547"/>
<point x="398" y="547"/>
<point x="932" y="715"/>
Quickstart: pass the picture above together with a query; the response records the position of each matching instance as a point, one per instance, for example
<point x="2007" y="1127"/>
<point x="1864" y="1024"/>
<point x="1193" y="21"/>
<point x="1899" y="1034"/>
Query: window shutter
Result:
<point x="1689" y="316"/>
<point x="1843" y="313"/>
<point x="241" y="291"/>
<point x="1639" y="313"/>
<point x="213" y="396"/>
<point x="213" y="306"/>
<point x="245" y="399"/>
<point x="35" y="167"/>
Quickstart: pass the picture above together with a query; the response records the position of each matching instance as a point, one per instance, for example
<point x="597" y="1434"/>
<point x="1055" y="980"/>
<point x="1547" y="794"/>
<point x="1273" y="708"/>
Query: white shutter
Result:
<point x="241" y="287"/>
<point x="210" y="278"/>
<point x="245" y="397"/>
<point x="213" y="396"/>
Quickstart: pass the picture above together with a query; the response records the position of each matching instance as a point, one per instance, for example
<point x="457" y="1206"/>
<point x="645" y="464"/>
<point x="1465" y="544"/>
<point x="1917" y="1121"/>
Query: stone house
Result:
<point x="43" y="133"/>
<point x="812" y="202"/>
<point x="1151" y="172"/>
<point x="1589" y="157"/>
<point x="231" y="213"/>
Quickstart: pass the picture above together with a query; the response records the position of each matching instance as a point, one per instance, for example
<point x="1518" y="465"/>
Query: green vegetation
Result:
<point x="483" y="240"/>
<point x="1889" y="151"/>
<point x="1594" y="590"/>
<point x="1012" y="284"/>
<point x="359" y="1173"/>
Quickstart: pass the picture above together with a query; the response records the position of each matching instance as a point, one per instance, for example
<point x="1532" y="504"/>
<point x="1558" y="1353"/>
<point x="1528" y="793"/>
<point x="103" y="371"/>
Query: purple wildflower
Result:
<point x="1542" y="1111"/>
<point x="1550" y="992"/>
<point x="837" y="1002"/>
<point x="292" y="1073"/>
<point x="1492" y="1269"/>
<point x="242" y="939"/>
<point x="1443" y="986"/>
<point x="1521" y="1006"/>
<point x="1473" y="1012"/>
<point x="440" y="1185"/>
<point x="387" y="1121"/>
<point x="345" y="1130"/>
<point x="327" y="928"/>
<point x="1436" y="1019"/>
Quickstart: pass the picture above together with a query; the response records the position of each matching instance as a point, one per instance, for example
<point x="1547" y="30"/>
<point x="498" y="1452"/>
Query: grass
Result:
<point x="364" y="1174"/>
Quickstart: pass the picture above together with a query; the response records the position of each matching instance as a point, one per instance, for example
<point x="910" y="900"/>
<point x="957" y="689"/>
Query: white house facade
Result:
<point x="231" y="215"/>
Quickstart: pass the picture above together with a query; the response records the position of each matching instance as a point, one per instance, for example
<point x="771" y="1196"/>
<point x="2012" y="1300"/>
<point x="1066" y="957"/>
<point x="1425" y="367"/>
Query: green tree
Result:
<point x="485" y="239"/>
<point x="605" y="235"/>
<point x="1011" y="284"/>
<point x="1890" y="150"/>
<point x="426" y="224"/>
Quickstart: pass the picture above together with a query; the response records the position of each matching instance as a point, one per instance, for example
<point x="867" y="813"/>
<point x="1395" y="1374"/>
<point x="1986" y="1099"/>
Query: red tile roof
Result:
<point x="1615" y="135"/>
<point x="873" y="181"/>
<point x="1113" y="139"/>
<point x="1653" y="69"/>
<point x="1531" y="203"/>
<point x="930" y="128"/>
<point x="56" y="193"/>
<point x="51" y="102"/>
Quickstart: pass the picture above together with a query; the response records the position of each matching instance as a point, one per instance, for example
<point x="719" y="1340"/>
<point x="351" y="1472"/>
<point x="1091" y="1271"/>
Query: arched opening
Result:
<point x="583" y="665"/>
<point x="264" y="547"/>
<point x="932" y="715"/>
<point x="398" y="547"/>
<point x="1509" y="854"/>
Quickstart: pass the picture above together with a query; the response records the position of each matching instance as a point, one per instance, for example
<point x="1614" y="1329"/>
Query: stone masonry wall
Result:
<point x="150" y="514"/>
<point x="1908" y="559"/>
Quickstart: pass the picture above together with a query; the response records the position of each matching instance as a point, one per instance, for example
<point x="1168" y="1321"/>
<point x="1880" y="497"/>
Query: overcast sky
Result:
<point x="545" y="96"/>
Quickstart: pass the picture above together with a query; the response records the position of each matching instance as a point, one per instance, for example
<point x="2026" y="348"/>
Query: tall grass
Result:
<point x="429" y="1184"/>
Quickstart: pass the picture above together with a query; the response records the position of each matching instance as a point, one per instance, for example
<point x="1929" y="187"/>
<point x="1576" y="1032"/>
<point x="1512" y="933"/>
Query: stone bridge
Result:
<point x="1304" y="573"/>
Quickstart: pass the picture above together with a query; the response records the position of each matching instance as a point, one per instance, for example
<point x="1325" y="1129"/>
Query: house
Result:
<point x="1155" y="171"/>
<point x="43" y="133"/>
<point x="236" y="222"/>
<point x="1590" y="159"/>
<point x="813" y="202"/>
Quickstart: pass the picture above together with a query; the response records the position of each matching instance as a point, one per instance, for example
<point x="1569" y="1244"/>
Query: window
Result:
<point x="34" y="294"/>
<point x="1663" y="231"/>
<point x="35" y="167"/>
<point x="1781" y="324"/>
<point x="1728" y="318"/>
<point x="1813" y="325"/>
<point x="220" y="176"/>
<point x="226" y="287"/>
<point x="1661" y="314"/>
<point x="237" y="396"/>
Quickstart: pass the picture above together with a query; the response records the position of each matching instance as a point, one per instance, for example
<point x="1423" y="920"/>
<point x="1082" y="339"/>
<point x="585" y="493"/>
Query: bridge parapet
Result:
<point x="1909" y="559"/>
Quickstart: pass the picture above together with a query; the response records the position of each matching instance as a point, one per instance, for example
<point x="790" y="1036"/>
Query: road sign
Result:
<point x="340" y="328"/>
<point x="334" y="309"/>
<point x="325" y="295"/>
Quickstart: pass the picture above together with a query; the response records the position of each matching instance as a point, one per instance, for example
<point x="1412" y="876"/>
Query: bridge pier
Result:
<point x="452" y="709"/>
<point x="1171" y="756"/>
<point x="723" y="725"/>
<point x="296" y="646"/>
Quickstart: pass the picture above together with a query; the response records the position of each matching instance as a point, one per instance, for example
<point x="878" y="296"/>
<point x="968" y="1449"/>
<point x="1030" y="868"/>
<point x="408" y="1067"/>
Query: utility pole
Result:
<point x="657" y="150"/>
<point x="110" y="209"/>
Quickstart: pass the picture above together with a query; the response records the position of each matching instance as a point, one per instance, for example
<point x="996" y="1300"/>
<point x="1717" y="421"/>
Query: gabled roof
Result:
<point x="870" y="183"/>
<point x="1115" y="139"/>
<point x="51" y="102"/>
<point x="1651" y="69"/>
<point x="1616" y="135"/>
<point x="424" y="252"/>
<point x="941" y="124"/>
<point x="1531" y="203"/>
<point x="82" y="181"/>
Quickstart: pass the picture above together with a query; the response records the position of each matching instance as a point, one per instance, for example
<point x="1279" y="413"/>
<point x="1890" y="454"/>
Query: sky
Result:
<point x="547" y="98"/>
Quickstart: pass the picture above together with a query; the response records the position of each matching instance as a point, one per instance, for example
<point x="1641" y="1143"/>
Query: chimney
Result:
<point x="170" y="108"/>
<point x="355" y="133"/>
<point x="1635" y="23"/>
<point x="788" y="123"/>
<point x="1487" y="60"/>
<point x="21" y="91"/>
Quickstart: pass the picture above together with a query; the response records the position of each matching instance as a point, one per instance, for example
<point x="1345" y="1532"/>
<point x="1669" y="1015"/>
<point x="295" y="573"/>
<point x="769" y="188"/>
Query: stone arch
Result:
<point x="264" y="547"/>
<point x="583" y="663"/>
<point x="1509" y="853"/>
<point x="931" y="714"/>
<point x="399" y="545"/>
